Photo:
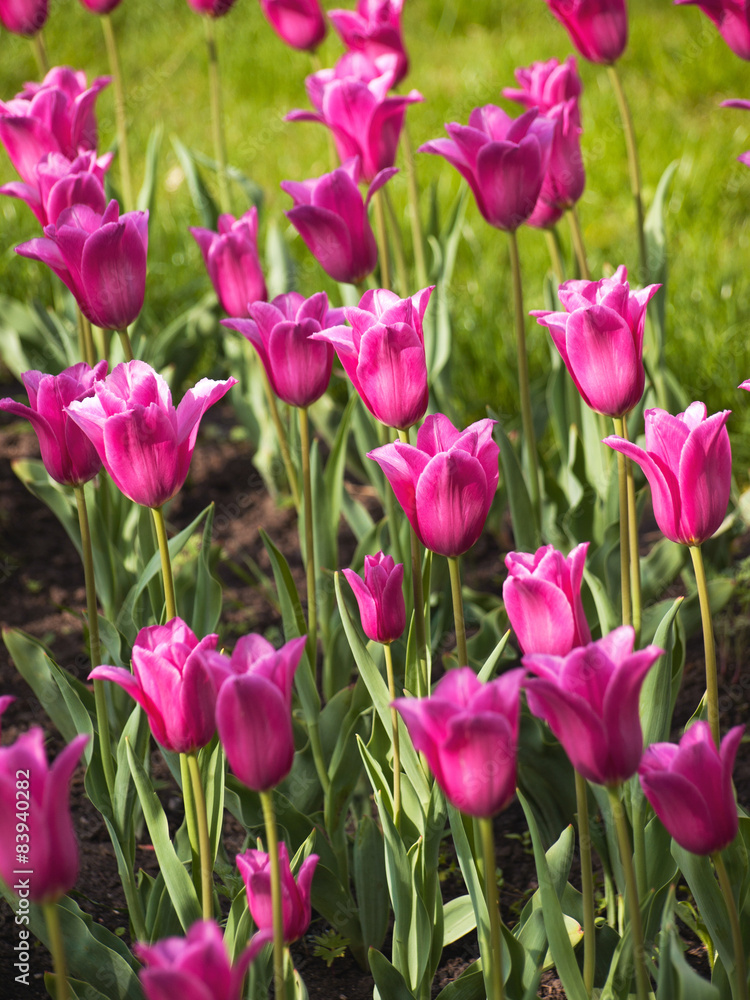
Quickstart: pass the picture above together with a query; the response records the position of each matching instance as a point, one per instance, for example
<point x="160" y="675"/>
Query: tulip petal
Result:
<point x="113" y="273"/>
<point x="665" y="495"/>
<point x="141" y="455"/>
<point x="402" y="465"/>
<point x="575" y="724"/>
<point x="451" y="503"/>
<point x="705" y="478"/>
<point x="541" y="616"/>
<point x="603" y="360"/>
<point x="255" y="728"/>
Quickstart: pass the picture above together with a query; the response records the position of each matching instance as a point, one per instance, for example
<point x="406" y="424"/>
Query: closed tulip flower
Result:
<point x="688" y="463"/>
<point x="255" y="869"/>
<point x="383" y="354"/>
<point x="299" y="23"/>
<point x="597" y="28"/>
<point x="732" y="18"/>
<point x="380" y="597"/>
<point x="24" y="17"/>
<point x="101" y="6"/>
<point x="232" y="262"/>
<point x="446" y="483"/>
<point x="61" y="183"/>
<point x="284" y="333"/>
<point x="542" y="595"/>
<point x="546" y="84"/>
<point x="145" y="443"/>
<point x="374" y="29"/>
<point x="589" y="699"/>
<point x="211" y="8"/>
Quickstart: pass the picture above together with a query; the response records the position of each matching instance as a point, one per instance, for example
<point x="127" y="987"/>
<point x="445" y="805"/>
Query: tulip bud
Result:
<point x="380" y="597"/>
<point x="597" y="28"/>
<point x="255" y="868"/>
<point x="24" y="17"/>
<point x="299" y="23"/>
<point x="375" y="30"/>
<point x="232" y="262"/>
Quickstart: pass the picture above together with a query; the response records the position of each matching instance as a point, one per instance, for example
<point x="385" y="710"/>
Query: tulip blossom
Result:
<point x="542" y="596"/>
<point x="61" y="183"/>
<point x="145" y="443"/>
<point x="383" y="354"/>
<point x="468" y="731"/>
<point x="254" y="710"/>
<point x="331" y="217"/>
<point x="380" y="597"/>
<point x="446" y="483"/>
<point x="352" y="100"/>
<point x="255" y="868"/>
<point x="544" y="85"/>
<point x="732" y="18"/>
<point x="284" y="333"/>
<point x="101" y="258"/>
<point x="687" y="460"/>
<point x="503" y="159"/>
<point x="597" y="28"/>
<point x="600" y="339"/>
<point x="174" y="682"/>
<point x="24" y="17"/>
<point x="690" y="788"/>
<point x="232" y="262"/>
<point x="299" y="23"/>
<point x="211" y="8"/>
<point x="374" y="29"/>
<point x="590" y="698"/>
<point x="101" y="6"/>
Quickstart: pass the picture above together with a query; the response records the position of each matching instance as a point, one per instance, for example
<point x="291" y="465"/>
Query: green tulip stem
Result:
<point x="739" y="986"/>
<point x="385" y="266"/>
<point x="312" y="618"/>
<point x="204" y="841"/>
<point x="57" y="949"/>
<point x="398" y="244"/>
<point x="40" y="54"/>
<point x="166" y="562"/>
<point x="217" y="120"/>
<point x="554" y="254"/>
<point x="396" y="743"/>
<point x="627" y="609"/>
<point x="281" y="434"/>
<point x="587" y="883"/>
<point x="272" y="843"/>
<point x="633" y="164"/>
<point x="527" y="418"/>
<point x="494" y="978"/>
<point x="633" y="553"/>
<point x="712" y="684"/>
<point x="394" y="535"/>
<point x="122" y="129"/>
<point x="631" y="888"/>
<point x="414" y="217"/>
<point x="127" y="347"/>
<point x="419" y="621"/>
<point x="578" y="245"/>
<point x="191" y="818"/>
<point x="85" y="341"/>
<point x="458" y="611"/>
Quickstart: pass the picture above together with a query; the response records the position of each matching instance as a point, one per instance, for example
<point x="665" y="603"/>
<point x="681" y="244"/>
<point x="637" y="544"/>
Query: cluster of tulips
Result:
<point x="433" y="754"/>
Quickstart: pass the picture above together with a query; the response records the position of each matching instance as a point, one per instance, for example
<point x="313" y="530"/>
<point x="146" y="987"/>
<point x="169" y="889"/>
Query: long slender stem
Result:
<point x="633" y="164"/>
<point x="191" y="819"/>
<point x="627" y="609"/>
<point x="204" y="841"/>
<point x="40" y="53"/>
<point x="57" y="948"/>
<point x="493" y="980"/>
<point x="217" y="120"/>
<point x="312" y="611"/>
<point x="578" y="245"/>
<point x="272" y="843"/>
<point x="587" y="883"/>
<point x="554" y="255"/>
<point x="527" y="418"/>
<point x="712" y="683"/>
<point x="396" y="741"/>
<point x="634" y="909"/>
<point x="419" y="622"/>
<point x="282" y="438"/>
<point x="398" y="244"/>
<point x="634" y="554"/>
<point x="739" y="986"/>
<point x="127" y="347"/>
<point x="383" y="255"/>
<point x="85" y="343"/>
<point x="458" y="611"/>
<point x="390" y="504"/>
<point x="414" y="217"/>
<point x="166" y="563"/>
<point x="122" y="128"/>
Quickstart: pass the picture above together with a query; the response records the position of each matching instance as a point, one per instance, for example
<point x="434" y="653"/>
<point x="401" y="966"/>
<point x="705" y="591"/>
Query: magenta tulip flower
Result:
<point x="542" y="596"/>
<point x="543" y="85"/>
<point x="597" y="28"/>
<point x="284" y="333"/>
<point x="565" y="178"/>
<point x="101" y="6"/>
<point x="690" y="788"/>
<point x="61" y="183"/>
<point x="688" y="463"/>
<point x="255" y="868"/>
<point x="68" y="455"/>
<point x="24" y="17"/>
<point x="589" y="699"/>
<point x="374" y="29"/>
<point x="380" y="597"/>
<point x="503" y="159"/>
<point x="331" y="217"/>
<point x="732" y="18"/>
<point x="254" y="710"/>
<point x="232" y="262"/>
<point x="468" y="731"/>
<point x="600" y="339"/>
<point x="383" y="354"/>
<point x="197" y="966"/>
<point x="446" y="483"/>
<point x="145" y="443"/>
<point x="32" y="789"/>
<point x="352" y="100"/>
<point x="174" y="681"/>
<point x="211" y="8"/>
<point x="299" y="23"/>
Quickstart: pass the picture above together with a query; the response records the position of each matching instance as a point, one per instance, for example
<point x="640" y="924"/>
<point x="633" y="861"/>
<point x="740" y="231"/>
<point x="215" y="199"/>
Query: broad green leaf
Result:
<point x="525" y="531"/>
<point x="147" y="194"/>
<point x="388" y="980"/>
<point x="202" y="200"/>
<point x="656" y="693"/>
<point x="208" y="591"/>
<point x="37" y="668"/>
<point x="458" y="919"/>
<point x="370" y="883"/>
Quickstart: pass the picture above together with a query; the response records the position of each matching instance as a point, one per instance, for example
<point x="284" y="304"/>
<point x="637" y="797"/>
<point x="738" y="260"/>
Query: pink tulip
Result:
<point x="254" y="710"/>
<point x="589" y="698"/>
<point x="446" y="484"/>
<point x="600" y="339"/>
<point x="503" y="159"/>
<point x="255" y="868"/>
<point x="546" y="84"/>
<point x="100" y="6"/>
<point x="211" y="8"/>
<point x="299" y="23"/>
<point x="732" y="18"/>
<point x="196" y="967"/>
<point x="101" y="258"/>
<point x="144" y="442"/>
<point x="565" y="178"/>
<point x="61" y="183"/>
<point x="468" y="731"/>
<point x="331" y="217"/>
<point x="24" y="17"/>
<point x="542" y="595"/>
<point x="688" y="463"/>
<point x="352" y="100"/>
<point x="597" y="28"/>
<point x="380" y="597"/>
<point x="383" y="354"/>
<point x="284" y="333"/>
<point x="68" y="455"/>
<point x="174" y="681"/>
<point x="232" y="262"/>
<point x="374" y="29"/>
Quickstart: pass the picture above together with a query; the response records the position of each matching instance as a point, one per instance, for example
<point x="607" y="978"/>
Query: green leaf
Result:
<point x="37" y="668"/>
<point x="146" y="196"/>
<point x="486" y="672"/>
<point x="468" y="986"/>
<point x="208" y="591"/>
<point x="388" y="980"/>
<point x="525" y="531"/>
<point x="202" y="200"/>
<point x="458" y="919"/>
<point x="656" y="693"/>
<point x="370" y="883"/>
<point x="699" y="875"/>
<point x="676" y="980"/>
